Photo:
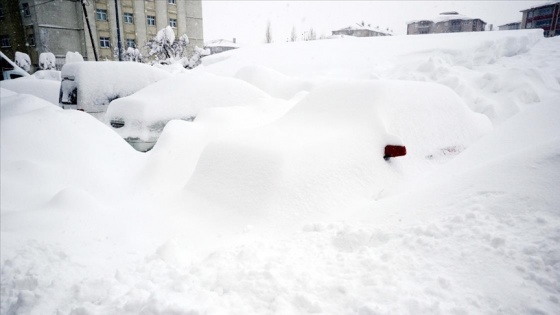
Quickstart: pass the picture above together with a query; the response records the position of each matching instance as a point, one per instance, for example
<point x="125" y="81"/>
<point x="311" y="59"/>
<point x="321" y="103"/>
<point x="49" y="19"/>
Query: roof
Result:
<point x="512" y="23"/>
<point x="367" y="28"/>
<point x="546" y="4"/>
<point x="447" y="16"/>
<point x="220" y="43"/>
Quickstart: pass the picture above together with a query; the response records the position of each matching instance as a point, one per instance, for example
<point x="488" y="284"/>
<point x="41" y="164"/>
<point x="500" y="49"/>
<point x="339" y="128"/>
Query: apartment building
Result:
<point x="510" y="26"/>
<point x="446" y="22"/>
<point x="546" y="16"/>
<point x="362" y="30"/>
<point x="36" y="26"/>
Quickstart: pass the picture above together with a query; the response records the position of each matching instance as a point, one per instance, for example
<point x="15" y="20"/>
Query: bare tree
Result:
<point x="293" y="38"/>
<point x="312" y="35"/>
<point x="268" y="34"/>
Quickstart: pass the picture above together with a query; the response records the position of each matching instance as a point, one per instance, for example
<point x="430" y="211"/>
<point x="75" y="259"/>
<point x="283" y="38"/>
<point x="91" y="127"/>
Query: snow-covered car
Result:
<point x="90" y="86"/>
<point x="141" y="117"/>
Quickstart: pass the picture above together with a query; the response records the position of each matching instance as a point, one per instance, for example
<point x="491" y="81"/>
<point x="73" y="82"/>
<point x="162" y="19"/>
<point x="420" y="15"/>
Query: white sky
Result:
<point x="246" y="20"/>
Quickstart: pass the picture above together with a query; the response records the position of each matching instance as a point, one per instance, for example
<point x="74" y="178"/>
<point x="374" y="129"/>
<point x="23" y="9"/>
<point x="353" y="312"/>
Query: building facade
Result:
<point x="36" y="26"/>
<point x="220" y="45"/>
<point x="546" y="16"/>
<point x="510" y="26"/>
<point x="446" y="22"/>
<point x="362" y="30"/>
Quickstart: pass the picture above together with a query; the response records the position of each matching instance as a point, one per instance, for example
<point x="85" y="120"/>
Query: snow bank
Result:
<point x="274" y="83"/>
<point x="59" y="149"/>
<point x="330" y="146"/>
<point x="47" y="90"/>
<point x="458" y="60"/>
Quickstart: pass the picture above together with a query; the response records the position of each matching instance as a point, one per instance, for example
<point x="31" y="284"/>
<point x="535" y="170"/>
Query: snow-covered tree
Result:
<point x="194" y="61"/>
<point x="293" y="37"/>
<point x="47" y="61"/>
<point x="165" y="49"/>
<point x="268" y="33"/>
<point x="73" y="57"/>
<point x="132" y="54"/>
<point x="23" y="61"/>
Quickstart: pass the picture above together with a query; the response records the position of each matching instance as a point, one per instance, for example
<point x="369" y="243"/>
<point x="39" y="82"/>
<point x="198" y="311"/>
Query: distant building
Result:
<point x="220" y="45"/>
<point x="362" y="30"/>
<point x="510" y="26"/>
<point x="36" y="26"/>
<point x="545" y="16"/>
<point x="446" y="22"/>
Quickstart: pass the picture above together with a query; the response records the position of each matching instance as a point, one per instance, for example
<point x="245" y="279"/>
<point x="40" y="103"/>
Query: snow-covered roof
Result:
<point x="446" y="16"/>
<point x="542" y="5"/>
<point x="221" y="43"/>
<point x="367" y="28"/>
<point x="511" y="23"/>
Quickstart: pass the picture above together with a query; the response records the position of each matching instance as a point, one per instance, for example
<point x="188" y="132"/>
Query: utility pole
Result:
<point x="89" y="29"/>
<point x="119" y="43"/>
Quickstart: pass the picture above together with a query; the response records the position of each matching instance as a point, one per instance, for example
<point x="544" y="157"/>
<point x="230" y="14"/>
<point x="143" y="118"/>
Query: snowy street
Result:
<point x="276" y="198"/>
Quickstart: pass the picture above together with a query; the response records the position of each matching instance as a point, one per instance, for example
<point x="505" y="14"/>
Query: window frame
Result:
<point x="151" y="18"/>
<point x="128" y="18"/>
<point x="5" y="39"/>
<point x="26" y="9"/>
<point x="128" y="41"/>
<point x="172" y="2"/>
<point x="99" y="13"/>
<point x="174" y="24"/>
<point x="104" y="40"/>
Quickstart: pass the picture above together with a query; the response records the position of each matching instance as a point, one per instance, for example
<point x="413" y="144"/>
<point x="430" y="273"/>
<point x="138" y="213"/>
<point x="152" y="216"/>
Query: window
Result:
<point x="104" y="42"/>
<point x="173" y="23"/>
<point x="25" y="9"/>
<point x="31" y="39"/>
<point x="128" y="18"/>
<point x="101" y="14"/>
<point x="544" y="11"/>
<point x="530" y="25"/>
<point x="542" y="23"/>
<point x="5" y="41"/>
<point x="171" y="1"/>
<point x="1" y="11"/>
<point x="151" y="20"/>
<point x="530" y="15"/>
<point x="130" y="43"/>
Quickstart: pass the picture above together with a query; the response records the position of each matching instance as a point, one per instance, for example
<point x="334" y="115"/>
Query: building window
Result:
<point x="25" y="9"/>
<point x="101" y="14"/>
<point x="104" y="42"/>
<point x="544" y="11"/>
<point x="128" y="18"/>
<point x="530" y="25"/>
<point x="171" y="1"/>
<point x="173" y="23"/>
<point x="1" y="11"/>
<point x="543" y="23"/>
<point x="151" y="20"/>
<point x="31" y="39"/>
<point x="130" y="43"/>
<point x="5" y="41"/>
<point x="530" y="15"/>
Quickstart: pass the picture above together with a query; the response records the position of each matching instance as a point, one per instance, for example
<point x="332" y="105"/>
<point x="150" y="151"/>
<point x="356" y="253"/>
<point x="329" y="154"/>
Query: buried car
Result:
<point x="90" y="86"/>
<point x="141" y="117"/>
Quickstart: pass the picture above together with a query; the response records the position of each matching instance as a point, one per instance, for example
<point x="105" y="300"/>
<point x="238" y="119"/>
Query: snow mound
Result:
<point x="47" y="90"/>
<point x="332" y="143"/>
<point x="273" y="82"/>
<point x="42" y="141"/>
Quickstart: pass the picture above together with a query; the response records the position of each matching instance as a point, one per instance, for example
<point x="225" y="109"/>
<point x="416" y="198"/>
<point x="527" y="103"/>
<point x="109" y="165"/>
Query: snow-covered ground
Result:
<point x="287" y="206"/>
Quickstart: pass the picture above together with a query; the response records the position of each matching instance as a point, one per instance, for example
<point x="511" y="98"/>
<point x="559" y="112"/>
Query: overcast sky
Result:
<point x="246" y="20"/>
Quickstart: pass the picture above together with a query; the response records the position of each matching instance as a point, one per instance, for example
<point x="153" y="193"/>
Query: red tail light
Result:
<point x="394" y="151"/>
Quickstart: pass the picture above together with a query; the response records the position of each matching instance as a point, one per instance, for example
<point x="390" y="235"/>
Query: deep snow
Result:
<point x="289" y="207"/>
